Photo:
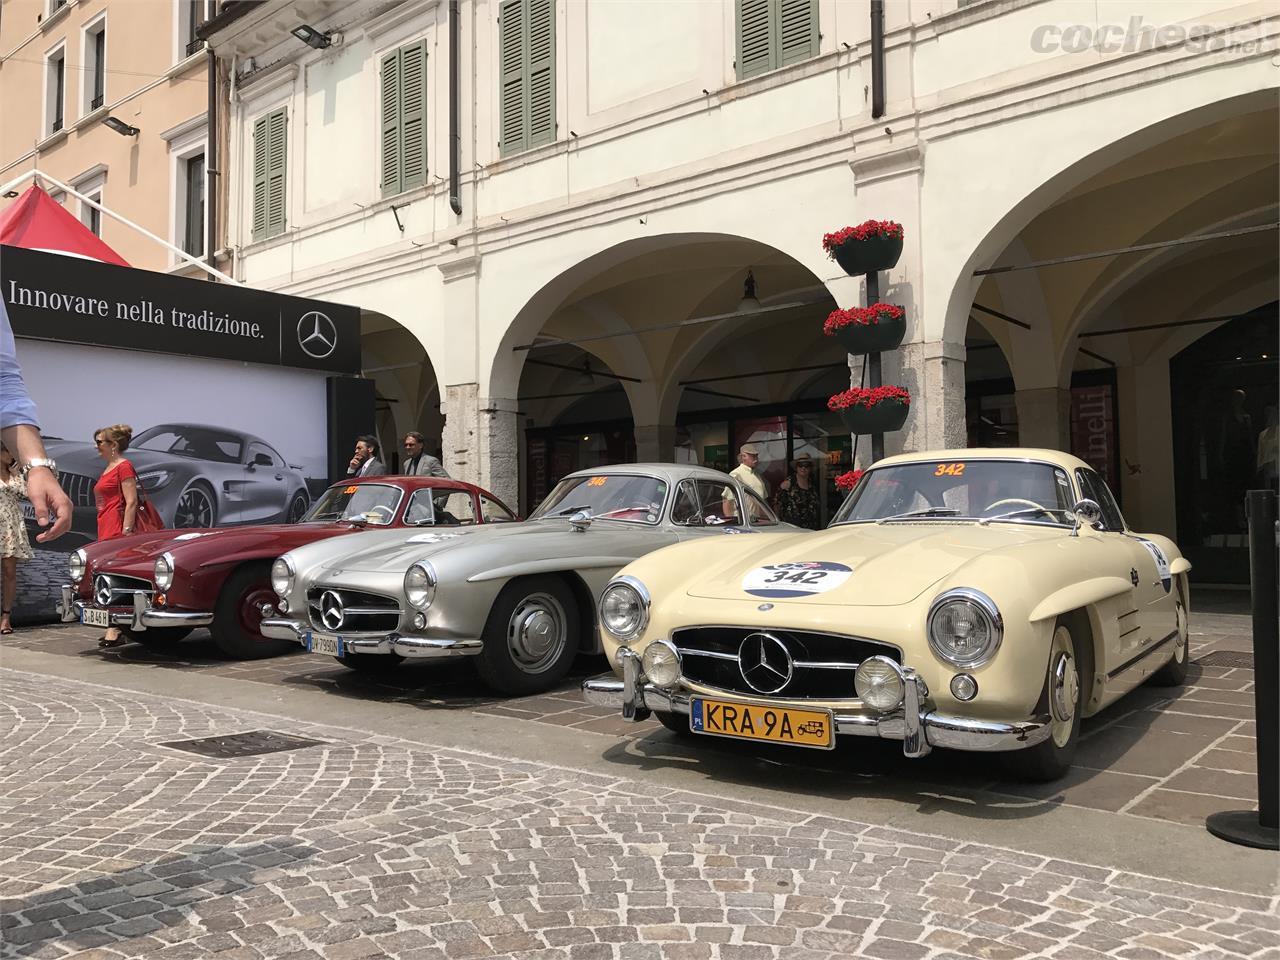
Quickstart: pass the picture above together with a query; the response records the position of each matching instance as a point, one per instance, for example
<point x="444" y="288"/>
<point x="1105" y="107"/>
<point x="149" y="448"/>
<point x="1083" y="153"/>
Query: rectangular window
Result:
<point x="193" y="185"/>
<point x="404" y="118"/>
<point x="195" y="15"/>
<point x="56" y="89"/>
<point x="93" y="54"/>
<point x="270" y="137"/>
<point x="527" y="50"/>
<point x="775" y="33"/>
<point x="91" y="217"/>
<point x="99" y="68"/>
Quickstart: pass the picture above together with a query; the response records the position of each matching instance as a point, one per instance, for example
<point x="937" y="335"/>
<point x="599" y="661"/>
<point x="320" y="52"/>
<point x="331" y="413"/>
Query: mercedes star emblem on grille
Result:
<point x="765" y="662"/>
<point x="102" y="590"/>
<point x="331" y="613"/>
<point x="317" y="335"/>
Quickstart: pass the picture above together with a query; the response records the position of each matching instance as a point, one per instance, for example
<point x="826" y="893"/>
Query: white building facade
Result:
<point x="623" y="166"/>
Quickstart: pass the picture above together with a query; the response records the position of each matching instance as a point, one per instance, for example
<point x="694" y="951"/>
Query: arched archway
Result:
<point x="407" y="393"/>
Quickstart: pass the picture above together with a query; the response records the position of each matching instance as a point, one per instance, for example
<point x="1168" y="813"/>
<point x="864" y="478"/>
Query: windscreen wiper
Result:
<point x="930" y="512"/>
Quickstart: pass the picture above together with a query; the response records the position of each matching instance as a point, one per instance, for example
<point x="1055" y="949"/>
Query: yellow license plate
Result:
<point x="754" y="721"/>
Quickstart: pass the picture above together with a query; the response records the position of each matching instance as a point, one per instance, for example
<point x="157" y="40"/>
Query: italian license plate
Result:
<point x="324" y="643"/>
<point x="754" y="721"/>
<point x="95" y="618"/>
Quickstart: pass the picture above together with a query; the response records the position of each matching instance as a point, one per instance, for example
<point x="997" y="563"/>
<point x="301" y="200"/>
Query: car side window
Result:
<point x="419" y="509"/>
<point x="257" y="450"/>
<point x="758" y="511"/>
<point x="494" y="512"/>
<point x="1096" y="489"/>
<point x="454" y="508"/>
<point x="704" y="503"/>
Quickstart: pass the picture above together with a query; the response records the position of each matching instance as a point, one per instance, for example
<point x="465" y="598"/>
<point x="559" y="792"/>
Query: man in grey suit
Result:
<point x="417" y="462"/>
<point x="365" y="462"/>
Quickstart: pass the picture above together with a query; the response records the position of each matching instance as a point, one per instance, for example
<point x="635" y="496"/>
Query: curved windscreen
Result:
<point x="368" y="502"/>
<point x="630" y="497"/>
<point x="973" y="489"/>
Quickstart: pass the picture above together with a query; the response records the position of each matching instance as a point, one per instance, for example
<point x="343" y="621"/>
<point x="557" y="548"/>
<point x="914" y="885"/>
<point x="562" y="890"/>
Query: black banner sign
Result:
<point x="55" y="297"/>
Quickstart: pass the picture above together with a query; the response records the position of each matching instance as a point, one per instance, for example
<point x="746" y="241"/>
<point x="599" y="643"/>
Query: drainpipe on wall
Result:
<point x="877" y="59"/>
<point x="455" y="137"/>
<point x="212" y="177"/>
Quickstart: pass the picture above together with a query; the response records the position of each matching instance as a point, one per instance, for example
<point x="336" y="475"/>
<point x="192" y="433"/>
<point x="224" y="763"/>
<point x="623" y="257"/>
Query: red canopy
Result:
<point x="38" y="222"/>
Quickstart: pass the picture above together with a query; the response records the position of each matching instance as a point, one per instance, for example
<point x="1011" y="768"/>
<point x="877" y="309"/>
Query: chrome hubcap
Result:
<point x="1180" y="642"/>
<point x="1066" y="688"/>
<point x="536" y="632"/>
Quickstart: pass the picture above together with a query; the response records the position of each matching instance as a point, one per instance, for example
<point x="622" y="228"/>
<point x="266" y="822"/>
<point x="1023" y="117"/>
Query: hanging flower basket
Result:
<point x="866" y="248"/>
<point x="873" y="409"/>
<point x="848" y="480"/>
<point x="872" y="329"/>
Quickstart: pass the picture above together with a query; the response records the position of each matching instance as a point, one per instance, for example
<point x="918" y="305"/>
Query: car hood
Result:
<point x="889" y="564"/>
<point x="397" y="553"/>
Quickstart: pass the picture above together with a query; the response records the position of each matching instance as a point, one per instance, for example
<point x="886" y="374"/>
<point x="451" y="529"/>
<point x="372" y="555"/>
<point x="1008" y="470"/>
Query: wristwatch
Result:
<point x="39" y="462"/>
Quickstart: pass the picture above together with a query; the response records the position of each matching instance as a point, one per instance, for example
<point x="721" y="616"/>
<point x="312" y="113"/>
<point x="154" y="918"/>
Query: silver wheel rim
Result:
<point x="194" y="509"/>
<point x="537" y="633"/>
<point x="1064" y="686"/>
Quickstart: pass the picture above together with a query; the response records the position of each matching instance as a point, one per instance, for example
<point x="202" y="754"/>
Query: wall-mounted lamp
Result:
<point x="120" y="127"/>
<point x="311" y="36"/>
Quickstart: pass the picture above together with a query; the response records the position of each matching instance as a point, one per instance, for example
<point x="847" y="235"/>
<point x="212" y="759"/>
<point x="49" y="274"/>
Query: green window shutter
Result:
<point x="391" y="123"/>
<point x="798" y="31"/>
<point x="413" y="115"/>
<point x="511" y="30"/>
<point x="755" y="37"/>
<point x="541" y="46"/>
<point x="260" y="178"/>
<point x="277" y="136"/>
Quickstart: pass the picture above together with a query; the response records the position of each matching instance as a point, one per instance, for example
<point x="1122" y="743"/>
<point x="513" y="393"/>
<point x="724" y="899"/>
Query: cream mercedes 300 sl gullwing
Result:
<point x="518" y="598"/>
<point x="968" y="599"/>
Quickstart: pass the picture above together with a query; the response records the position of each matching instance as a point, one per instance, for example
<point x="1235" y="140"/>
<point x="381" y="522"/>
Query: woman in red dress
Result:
<point x="116" y="495"/>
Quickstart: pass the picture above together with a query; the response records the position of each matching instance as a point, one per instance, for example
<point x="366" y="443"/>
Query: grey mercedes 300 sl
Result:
<point x="520" y="598"/>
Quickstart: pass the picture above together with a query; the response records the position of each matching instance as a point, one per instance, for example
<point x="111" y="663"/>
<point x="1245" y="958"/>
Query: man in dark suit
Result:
<point x="365" y="462"/>
<point x="417" y="462"/>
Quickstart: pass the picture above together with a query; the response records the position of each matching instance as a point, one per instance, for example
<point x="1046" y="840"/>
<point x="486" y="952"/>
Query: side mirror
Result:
<point x="1086" y="511"/>
<point x="580" y="520"/>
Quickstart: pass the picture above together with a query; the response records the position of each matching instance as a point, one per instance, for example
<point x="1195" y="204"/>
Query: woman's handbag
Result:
<point x="146" y="518"/>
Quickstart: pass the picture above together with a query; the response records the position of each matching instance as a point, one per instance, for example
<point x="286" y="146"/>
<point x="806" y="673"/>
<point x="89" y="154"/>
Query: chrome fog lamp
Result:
<point x="76" y="564"/>
<point x="624" y="608"/>
<point x="282" y="577"/>
<point x="964" y="687"/>
<point x="965" y="627"/>
<point x="162" y="572"/>
<point x="879" y="683"/>
<point x="661" y="663"/>
<point x="419" y="621"/>
<point x="420" y="585"/>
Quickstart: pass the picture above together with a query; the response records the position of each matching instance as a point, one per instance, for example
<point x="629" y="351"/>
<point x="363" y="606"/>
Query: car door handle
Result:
<point x="279" y="476"/>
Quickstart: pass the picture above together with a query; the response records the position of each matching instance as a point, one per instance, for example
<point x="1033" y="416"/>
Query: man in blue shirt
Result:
<point x="20" y="432"/>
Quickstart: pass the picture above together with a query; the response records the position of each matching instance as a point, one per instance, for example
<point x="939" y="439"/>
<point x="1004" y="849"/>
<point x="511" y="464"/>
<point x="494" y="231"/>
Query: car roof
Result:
<point x="1056" y="457"/>
<point x="671" y="472"/>
<point x="413" y="483"/>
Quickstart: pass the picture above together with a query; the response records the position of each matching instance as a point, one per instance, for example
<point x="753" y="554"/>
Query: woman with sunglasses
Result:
<point x="14" y="545"/>
<point x="797" y="500"/>
<point x="116" y="496"/>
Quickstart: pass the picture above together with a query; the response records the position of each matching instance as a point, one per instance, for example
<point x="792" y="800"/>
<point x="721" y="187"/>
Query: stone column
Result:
<point x="933" y="373"/>
<point x="656" y="443"/>
<point x="1044" y="417"/>
<point x="481" y="441"/>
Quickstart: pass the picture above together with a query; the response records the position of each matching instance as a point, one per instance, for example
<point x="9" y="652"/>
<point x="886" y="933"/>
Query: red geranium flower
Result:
<point x="868" y="397"/>
<point x="862" y="315"/>
<point x="849" y="479"/>
<point x="863" y="231"/>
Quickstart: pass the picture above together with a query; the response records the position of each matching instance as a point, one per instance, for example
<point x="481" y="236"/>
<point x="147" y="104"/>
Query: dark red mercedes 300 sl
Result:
<point x="157" y="587"/>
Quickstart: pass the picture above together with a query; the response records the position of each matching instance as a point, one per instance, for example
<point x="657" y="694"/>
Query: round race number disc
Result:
<point x="802" y="578"/>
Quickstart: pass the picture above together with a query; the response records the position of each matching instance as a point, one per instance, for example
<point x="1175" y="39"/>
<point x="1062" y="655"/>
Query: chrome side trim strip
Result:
<point x="1145" y="653"/>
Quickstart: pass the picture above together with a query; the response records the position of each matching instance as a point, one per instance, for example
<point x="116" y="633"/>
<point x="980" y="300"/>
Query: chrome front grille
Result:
<point x="78" y="487"/>
<point x="344" y="611"/>
<point x="797" y="664"/>
<point x="115" y="590"/>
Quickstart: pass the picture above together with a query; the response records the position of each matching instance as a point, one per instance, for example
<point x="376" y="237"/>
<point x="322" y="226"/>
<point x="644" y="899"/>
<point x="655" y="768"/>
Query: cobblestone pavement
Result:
<point x="116" y="845"/>
<point x="1173" y="755"/>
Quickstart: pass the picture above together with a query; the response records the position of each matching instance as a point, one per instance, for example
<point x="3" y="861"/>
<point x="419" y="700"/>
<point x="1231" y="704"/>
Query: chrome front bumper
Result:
<point x="137" y="617"/>
<point x="919" y="728"/>
<point x="419" y="648"/>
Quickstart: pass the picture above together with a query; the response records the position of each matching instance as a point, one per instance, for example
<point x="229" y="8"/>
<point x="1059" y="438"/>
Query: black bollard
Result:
<point x="1261" y="828"/>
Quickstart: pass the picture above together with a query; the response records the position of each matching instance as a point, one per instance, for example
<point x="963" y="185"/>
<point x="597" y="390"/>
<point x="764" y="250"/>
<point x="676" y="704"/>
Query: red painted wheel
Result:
<point x="238" y="614"/>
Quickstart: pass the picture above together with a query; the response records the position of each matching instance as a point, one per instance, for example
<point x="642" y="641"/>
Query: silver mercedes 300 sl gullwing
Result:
<point x="519" y="598"/>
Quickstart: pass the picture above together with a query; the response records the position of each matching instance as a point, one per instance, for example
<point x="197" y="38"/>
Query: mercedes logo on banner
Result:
<point x="331" y="612"/>
<point x="765" y="663"/>
<point x="317" y="335"/>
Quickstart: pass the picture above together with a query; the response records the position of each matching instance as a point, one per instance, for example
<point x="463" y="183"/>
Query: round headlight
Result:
<point x="879" y="684"/>
<point x="624" y="608"/>
<point x="162" y="572"/>
<point x="661" y="663"/>
<point x="282" y="577"/>
<point x="76" y="564"/>
<point x="964" y="627"/>
<point x="420" y="585"/>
